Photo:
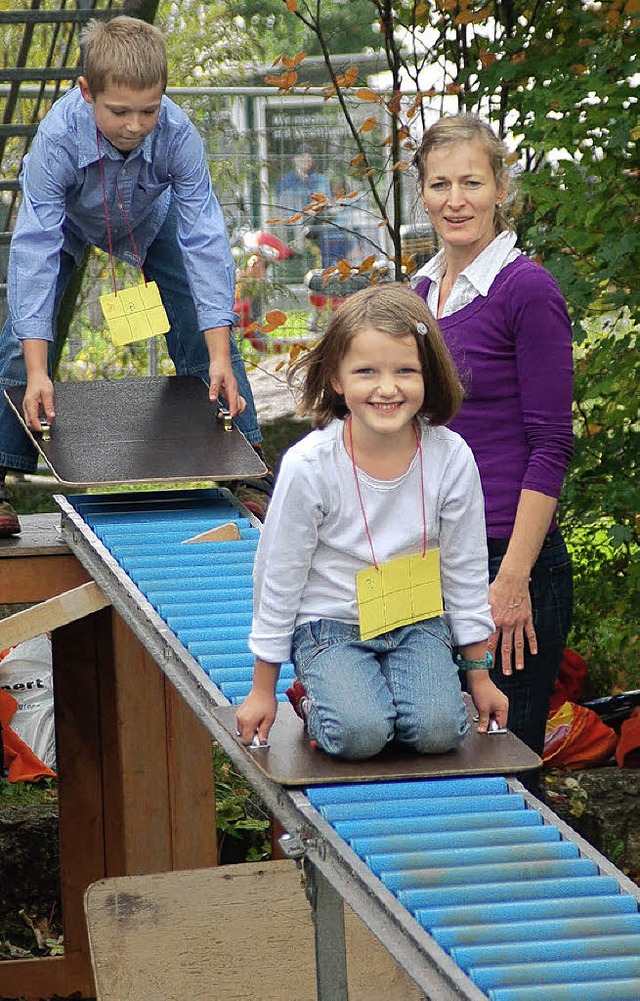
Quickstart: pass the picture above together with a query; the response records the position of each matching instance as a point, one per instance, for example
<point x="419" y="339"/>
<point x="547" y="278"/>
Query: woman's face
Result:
<point x="460" y="194"/>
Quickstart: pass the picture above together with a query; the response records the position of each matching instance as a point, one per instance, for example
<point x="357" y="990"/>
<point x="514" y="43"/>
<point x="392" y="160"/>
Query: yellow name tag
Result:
<point x="399" y="592"/>
<point x="134" y="314"/>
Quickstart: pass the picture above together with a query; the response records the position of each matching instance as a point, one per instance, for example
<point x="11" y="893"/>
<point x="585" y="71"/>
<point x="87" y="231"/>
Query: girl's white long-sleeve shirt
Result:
<point x="314" y="540"/>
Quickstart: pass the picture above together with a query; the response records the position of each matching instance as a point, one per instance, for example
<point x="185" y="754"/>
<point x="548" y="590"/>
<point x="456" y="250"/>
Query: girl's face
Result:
<point x="381" y="380"/>
<point x="460" y="194"/>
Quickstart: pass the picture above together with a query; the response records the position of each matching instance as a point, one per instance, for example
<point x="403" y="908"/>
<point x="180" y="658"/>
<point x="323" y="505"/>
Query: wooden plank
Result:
<point x="39" y="578"/>
<point x="80" y="649"/>
<point x="142" y="820"/>
<point x="51" y="614"/>
<point x="234" y="933"/>
<point x="59" y="976"/>
<point x="191" y="786"/>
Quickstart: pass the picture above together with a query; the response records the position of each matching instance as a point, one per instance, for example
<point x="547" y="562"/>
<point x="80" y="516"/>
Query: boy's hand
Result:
<point x="255" y="716"/>
<point x="488" y="699"/>
<point x="38" y="397"/>
<point x="222" y="381"/>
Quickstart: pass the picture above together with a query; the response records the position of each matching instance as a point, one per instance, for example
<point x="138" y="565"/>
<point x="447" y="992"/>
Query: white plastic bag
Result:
<point x="27" y="673"/>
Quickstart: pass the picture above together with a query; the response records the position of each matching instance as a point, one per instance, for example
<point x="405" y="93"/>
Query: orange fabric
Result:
<point x="628" y="749"/>
<point x="576" y="737"/>
<point x="20" y="761"/>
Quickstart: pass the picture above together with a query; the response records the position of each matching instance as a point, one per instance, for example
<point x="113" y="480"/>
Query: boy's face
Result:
<point x="124" y="115"/>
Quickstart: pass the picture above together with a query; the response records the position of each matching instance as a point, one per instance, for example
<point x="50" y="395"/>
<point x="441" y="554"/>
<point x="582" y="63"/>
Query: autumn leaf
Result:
<point x="274" y="318"/>
<point x="367" y="264"/>
<point x="368" y="125"/>
<point x="291" y="5"/>
<point x="365" y="94"/>
<point x="356" y="160"/>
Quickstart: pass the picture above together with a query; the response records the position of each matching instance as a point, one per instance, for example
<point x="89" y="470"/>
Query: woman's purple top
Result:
<point x="514" y="354"/>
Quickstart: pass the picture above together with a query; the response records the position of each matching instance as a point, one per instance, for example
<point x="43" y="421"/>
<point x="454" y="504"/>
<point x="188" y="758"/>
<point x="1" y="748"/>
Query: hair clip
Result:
<point x="422" y="328"/>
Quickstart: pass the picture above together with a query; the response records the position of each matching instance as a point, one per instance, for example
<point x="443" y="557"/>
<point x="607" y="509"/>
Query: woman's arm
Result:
<point x="509" y="592"/>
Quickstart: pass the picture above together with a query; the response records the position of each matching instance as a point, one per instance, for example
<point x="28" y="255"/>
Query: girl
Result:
<point x="346" y="577"/>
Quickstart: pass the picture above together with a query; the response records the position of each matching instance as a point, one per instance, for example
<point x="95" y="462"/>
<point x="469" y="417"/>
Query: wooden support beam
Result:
<point x="51" y="614"/>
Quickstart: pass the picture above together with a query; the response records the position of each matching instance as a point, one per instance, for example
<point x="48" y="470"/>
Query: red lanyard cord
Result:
<point x="364" y="516"/>
<point x="108" y="222"/>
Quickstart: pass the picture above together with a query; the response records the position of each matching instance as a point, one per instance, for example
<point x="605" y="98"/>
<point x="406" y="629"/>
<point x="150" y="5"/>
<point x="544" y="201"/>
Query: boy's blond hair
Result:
<point x="125" y="51"/>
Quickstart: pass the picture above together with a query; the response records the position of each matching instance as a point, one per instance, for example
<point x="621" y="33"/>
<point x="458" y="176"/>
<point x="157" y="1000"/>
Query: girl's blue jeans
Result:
<point x="364" y="693"/>
<point x="529" y="691"/>
<point x="185" y="343"/>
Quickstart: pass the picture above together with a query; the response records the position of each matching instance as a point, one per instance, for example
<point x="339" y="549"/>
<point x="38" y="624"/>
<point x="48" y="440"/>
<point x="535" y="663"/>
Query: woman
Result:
<point x="506" y="324"/>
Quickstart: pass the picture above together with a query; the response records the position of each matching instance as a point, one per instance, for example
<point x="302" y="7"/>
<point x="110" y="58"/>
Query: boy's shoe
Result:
<point x="299" y="699"/>
<point x="9" y="524"/>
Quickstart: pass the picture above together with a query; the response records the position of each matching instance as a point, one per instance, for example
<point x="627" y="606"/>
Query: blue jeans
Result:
<point x="185" y="343"/>
<point x="529" y="691"/>
<point x="363" y="693"/>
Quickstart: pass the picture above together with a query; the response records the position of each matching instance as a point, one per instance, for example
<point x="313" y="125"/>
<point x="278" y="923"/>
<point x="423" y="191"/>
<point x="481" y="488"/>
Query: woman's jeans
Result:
<point x="363" y="693"/>
<point x="529" y="691"/>
<point x="185" y="343"/>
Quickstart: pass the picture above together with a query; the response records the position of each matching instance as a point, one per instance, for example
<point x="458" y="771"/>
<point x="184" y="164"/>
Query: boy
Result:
<point x="115" y="153"/>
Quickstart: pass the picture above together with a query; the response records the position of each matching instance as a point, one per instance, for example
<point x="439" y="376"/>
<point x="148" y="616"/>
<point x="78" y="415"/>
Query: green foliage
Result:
<point x="28" y="793"/>
<point x="238" y="812"/>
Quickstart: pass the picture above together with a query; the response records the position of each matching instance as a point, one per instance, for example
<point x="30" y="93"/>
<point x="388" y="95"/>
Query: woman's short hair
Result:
<point x="124" y="50"/>
<point x="452" y="129"/>
<point x="390" y="308"/>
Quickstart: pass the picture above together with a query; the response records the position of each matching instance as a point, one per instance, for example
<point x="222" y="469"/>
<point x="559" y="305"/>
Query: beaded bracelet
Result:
<point x="475" y="665"/>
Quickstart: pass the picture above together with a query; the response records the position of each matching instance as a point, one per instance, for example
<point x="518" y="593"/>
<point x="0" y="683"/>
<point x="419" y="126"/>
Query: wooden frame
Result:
<point x="135" y="765"/>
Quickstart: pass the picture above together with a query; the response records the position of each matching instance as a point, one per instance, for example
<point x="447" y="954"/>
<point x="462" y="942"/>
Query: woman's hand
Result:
<point x="488" y="700"/>
<point x="511" y="611"/>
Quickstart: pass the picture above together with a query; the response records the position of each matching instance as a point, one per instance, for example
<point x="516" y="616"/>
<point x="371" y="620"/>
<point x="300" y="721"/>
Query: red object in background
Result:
<point x="570" y="681"/>
<point x="628" y="749"/>
<point x="263" y="249"/>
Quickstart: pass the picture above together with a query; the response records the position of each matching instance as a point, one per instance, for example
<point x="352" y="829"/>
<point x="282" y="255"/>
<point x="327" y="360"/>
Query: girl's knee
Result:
<point x="438" y="735"/>
<point x="354" y="740"/>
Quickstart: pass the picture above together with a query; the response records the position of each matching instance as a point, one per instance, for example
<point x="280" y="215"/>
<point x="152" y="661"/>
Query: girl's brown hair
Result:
<point x="466" y="128"/>
<point x="125" y="51"/>
<point x="390" y="308"/>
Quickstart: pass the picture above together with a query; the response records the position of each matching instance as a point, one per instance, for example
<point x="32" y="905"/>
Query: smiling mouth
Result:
<point x="456" y="220"/>
<point x="386" y="406"/>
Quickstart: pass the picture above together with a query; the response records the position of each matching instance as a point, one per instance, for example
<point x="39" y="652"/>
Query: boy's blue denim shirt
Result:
<point x="62" y="208"/>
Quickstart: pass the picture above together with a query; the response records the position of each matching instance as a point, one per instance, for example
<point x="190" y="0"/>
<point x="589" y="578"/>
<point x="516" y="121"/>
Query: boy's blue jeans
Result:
<point x="185" y="342"/>
<point x="363" y="693"/>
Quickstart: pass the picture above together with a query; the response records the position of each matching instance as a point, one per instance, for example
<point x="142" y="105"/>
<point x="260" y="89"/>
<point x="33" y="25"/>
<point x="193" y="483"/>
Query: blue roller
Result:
<point x="586" y="990"/>
<point x="455" y="840"/>
<point x="456" y="822"/>
<point x="614" y="916"/>
<point x="570" y="878"/>
<point x="533" y="951"/>
<point x="363" y="792"/>
<point x="574" y="898"/>
<point x="622" y="967"/>
<point x="417" y="807"/>
<point x="404" y="863"/>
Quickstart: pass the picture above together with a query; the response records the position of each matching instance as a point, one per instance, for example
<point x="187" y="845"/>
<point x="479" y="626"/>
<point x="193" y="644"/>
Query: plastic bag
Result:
<point x="26" y="672"/>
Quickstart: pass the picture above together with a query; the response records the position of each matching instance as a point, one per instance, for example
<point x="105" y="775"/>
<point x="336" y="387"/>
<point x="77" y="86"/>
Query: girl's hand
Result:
<point x="511" y="611"/>
<point x="255" y="716"/>
<point x="488" y="700"/>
